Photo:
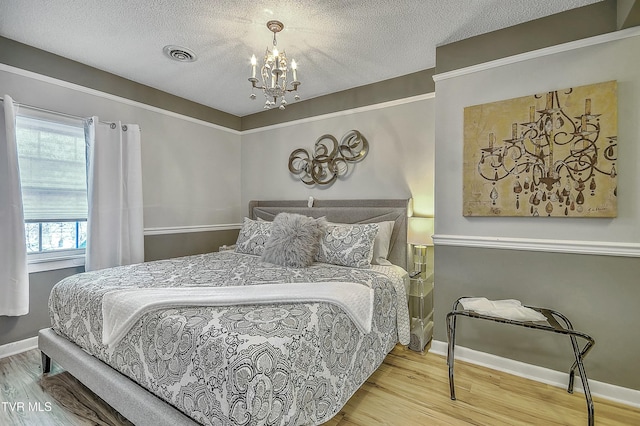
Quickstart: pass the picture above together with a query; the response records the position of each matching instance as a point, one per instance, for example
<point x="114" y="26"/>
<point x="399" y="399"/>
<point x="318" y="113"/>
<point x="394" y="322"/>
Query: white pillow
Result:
<point x="382" y="242"/>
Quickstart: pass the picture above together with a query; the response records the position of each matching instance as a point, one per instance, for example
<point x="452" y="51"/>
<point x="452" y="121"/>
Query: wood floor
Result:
<point x="408" y="389"/>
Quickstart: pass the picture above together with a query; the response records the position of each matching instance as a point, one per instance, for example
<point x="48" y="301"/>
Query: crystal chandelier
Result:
<point x="274" y="73"/>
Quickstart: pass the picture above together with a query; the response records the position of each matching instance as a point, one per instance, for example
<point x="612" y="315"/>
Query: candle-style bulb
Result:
<point x="253" y="66"/>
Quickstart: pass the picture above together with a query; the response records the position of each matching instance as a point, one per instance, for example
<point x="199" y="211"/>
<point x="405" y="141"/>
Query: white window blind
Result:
<point x="51" y="155"/>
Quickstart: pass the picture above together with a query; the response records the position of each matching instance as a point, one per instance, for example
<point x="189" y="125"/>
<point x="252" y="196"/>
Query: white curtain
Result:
<point x="115" y="233"/>
<point x="14" y="276"/>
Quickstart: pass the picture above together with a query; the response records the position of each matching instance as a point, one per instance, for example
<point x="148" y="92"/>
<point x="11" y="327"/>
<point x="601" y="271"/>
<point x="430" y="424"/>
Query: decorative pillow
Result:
<point x="253" y="236"/>
<point x="348" y="245"/>
<point x="382" y="242"/>
<point x="294" y="240"/>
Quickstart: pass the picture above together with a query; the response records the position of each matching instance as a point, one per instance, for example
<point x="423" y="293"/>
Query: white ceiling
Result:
<point x="338" y="44"/>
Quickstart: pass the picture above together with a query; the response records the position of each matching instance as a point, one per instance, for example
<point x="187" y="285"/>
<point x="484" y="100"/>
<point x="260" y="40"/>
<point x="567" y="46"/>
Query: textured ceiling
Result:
<point x="338" y="44"/>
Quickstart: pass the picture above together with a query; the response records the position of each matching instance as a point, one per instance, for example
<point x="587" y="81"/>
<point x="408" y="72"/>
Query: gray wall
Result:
<point x="179" y="154"/>
<point x="166" y="246"/>
<point x="38" y="61"/>
<point x="402" y="87"/>
<point x="596" y="291"/>
<point x="13" y="329"/>
<point x="598" y="294"/>
<point x="399" y="163"/>
<point x="574" y="24"/>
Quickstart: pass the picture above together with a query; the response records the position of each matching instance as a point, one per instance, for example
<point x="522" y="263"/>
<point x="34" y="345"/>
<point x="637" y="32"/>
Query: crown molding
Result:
<point x="564" y="47"/>
<point x="108" y="96"/>
<point x="343" y="113"/>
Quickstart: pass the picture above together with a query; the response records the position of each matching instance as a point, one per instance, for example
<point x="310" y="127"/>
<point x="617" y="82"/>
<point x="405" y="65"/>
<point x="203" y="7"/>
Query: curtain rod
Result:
<point x="63" y="114"/>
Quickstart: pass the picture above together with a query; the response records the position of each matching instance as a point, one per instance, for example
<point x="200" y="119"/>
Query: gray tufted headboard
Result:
<point x="347" y="211"/>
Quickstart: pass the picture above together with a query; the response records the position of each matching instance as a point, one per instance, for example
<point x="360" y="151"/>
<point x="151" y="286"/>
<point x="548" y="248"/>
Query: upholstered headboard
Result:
<point x="347" y="211"/>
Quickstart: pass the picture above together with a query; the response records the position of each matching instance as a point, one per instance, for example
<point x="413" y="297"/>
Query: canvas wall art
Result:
<point x="548" y="155"/>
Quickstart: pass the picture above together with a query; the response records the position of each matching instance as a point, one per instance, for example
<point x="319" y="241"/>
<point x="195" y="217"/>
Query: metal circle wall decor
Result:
<point x="329" y="159"/>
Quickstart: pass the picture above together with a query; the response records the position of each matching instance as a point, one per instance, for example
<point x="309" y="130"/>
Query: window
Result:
<point x="52" y="159"/>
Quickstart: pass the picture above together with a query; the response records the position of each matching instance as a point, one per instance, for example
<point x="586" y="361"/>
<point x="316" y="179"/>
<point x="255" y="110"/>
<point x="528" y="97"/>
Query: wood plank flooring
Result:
<point x="55" y="399"/>
<point x="408" y="389"/>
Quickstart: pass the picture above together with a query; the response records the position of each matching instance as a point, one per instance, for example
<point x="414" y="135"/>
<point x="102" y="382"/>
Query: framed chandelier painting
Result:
<point x="550" y="155"/>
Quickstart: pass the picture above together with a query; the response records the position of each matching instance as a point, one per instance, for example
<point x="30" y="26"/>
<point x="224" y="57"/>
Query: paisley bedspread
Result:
<point x="274" y="364"/>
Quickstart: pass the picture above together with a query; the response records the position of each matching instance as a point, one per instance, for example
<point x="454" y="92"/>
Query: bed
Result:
<point x="243" y="362"/>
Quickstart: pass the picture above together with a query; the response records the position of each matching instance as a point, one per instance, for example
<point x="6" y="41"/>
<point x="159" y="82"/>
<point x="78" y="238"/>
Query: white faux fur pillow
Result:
<point x="294" y="240"/>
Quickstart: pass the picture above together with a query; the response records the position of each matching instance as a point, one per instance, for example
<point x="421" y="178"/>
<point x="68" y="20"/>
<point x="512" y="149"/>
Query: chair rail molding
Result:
<point x="603" y="248"/>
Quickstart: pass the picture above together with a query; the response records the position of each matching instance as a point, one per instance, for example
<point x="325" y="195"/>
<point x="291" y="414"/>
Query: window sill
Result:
<point x="43" y="264"/>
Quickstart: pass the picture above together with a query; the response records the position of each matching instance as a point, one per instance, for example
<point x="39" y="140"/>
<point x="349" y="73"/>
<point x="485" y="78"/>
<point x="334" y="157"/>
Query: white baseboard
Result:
<point x="18" y="347"/>
<point x="540" y="374"/>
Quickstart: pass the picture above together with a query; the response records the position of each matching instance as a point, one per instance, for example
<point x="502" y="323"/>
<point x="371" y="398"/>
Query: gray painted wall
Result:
<point x="166" y="246"/>
<point x="399" y="163"/>
<point x="402" y="87"/>
<point x="14" y="329"/>
<point x="38" y="61"/>
<point x="628" y="13"/>
<point x="597" y="292"/>
<point x="574" y="24"/>
<point x="179" y="154"/>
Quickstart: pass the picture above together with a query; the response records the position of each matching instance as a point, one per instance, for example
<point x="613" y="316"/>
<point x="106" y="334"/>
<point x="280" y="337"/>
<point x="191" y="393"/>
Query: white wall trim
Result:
<point x="572" y="45"/>
<point x="539" y="374"/>
<point x="20" y="346"/>
<point x="104" y="95"/>
<point x="74" y="261"/>
<point x="603" y="248"/>
<point x="54" y="263"/>
<point x="372" y="107"/>
<point x="187" y="229"/>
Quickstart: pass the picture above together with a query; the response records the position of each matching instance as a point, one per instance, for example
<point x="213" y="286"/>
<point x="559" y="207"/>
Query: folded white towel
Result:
<point x="508" y="309"/>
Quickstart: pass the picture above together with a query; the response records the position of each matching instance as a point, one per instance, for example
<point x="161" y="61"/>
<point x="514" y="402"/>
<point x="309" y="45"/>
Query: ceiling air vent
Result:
<point x="180" y="54"/>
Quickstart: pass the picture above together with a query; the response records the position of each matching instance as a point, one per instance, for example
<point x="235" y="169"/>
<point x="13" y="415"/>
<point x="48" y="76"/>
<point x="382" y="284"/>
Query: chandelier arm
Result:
<point x="254" y="85"/>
